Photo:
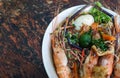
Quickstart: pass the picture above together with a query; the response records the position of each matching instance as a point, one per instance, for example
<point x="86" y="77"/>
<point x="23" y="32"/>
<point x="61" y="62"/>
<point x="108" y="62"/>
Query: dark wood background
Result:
<point x="22" y="27"/>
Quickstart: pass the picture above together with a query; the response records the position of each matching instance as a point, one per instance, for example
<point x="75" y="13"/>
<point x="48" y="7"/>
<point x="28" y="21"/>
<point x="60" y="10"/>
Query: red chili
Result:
<point x="83" y="52"/>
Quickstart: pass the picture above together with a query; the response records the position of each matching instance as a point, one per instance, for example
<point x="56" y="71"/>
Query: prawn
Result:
<point x="90" y="62"/>
<point x="60" y="59"/>
<point x="107" y="62"/>
<point x="117" y="68"/>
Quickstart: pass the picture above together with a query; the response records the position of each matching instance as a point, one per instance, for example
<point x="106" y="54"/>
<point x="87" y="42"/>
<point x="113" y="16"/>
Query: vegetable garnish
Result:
<point x="100" y="43"/>
<point x="98" y="4"/>
<point x="99" y="16"/>
<point x="94" y="26"/>
<point x="108" y="37"/>
<point x="73" y="37"/>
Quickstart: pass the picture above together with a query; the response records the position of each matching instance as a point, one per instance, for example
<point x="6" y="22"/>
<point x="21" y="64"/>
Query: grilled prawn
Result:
<point x="107" y="62"/>
<point x="60" y="59"/>
<point x="117" y="68"/>
<point x="90" y="62"/>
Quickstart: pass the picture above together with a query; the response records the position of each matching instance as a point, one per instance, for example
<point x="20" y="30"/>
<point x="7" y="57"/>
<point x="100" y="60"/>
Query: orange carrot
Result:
<point x="108" y="37"/>
<point x="75" y="70"/>
<point x="94" y="26"/>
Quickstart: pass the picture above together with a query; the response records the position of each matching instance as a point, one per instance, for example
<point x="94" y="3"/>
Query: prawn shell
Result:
<point x="117" y="68"/>
<point x="60" y="60"/>
<point x="90" y="62"/>
<point x="107" y="61"/>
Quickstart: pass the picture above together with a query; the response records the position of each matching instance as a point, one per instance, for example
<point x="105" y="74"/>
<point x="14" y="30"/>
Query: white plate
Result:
<point x="46" y="44"/>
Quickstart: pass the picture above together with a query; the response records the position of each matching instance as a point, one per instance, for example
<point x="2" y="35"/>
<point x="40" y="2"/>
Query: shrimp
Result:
<point x="117" y="65"/>
<point x="107" y="62"/>
<point x="90" y="62"/>
<point x="117" y="68"/>
<point x="60" y="59"/>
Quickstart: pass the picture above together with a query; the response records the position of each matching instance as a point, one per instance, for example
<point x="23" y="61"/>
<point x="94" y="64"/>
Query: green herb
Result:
<point x="98" y="4"/>
<point x="73" y="37"/>
<point x="100" y="43"/>
<point x="99" y="16"/>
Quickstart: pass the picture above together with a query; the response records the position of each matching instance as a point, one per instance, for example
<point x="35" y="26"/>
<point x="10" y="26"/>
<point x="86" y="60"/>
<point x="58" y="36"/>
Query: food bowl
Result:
<point x="46" y="44"/>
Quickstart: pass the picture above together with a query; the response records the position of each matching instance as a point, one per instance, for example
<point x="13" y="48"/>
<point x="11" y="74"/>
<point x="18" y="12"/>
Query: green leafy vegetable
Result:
<point x="99" y="16"/>
<point x="98" y="4"/>
<point x="100" y="43"/>
<point x="73" y="37"/>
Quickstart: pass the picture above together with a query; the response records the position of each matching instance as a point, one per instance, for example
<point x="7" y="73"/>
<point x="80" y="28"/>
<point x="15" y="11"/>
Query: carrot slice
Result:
<point x="108" y="37"/>
<point x="94" y="26"/>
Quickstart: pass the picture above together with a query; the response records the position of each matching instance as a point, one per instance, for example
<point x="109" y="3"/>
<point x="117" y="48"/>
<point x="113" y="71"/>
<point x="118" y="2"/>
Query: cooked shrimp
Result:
<point x="117" y="68"/>
<point x="117" y="65"/>
<point x="60" y="60"/>
<point x="107" y="62"/>
<point x="90" y="62"/>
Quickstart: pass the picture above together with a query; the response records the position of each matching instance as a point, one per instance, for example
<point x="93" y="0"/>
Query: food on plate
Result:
<point x="87" y="46"/>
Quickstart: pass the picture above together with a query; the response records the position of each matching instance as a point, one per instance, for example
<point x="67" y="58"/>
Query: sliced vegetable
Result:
<point x="108" y="37"/>
<point x="94" y="26"/>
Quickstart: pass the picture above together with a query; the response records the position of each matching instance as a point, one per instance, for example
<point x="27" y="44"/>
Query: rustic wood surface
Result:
<point x="22" y="27"/>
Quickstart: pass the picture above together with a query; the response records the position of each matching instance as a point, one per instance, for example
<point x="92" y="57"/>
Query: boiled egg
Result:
<point x="83" y="20"/>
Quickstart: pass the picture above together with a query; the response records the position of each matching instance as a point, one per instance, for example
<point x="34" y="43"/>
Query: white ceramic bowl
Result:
<point x="46" y="45"/>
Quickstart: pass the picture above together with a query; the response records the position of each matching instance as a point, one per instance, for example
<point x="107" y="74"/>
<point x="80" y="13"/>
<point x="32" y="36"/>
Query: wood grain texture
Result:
<point x="22" y="27"/>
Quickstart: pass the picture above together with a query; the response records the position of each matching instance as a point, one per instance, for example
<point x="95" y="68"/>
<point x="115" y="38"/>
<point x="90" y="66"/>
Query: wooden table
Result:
<point x="22" y="27"/>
